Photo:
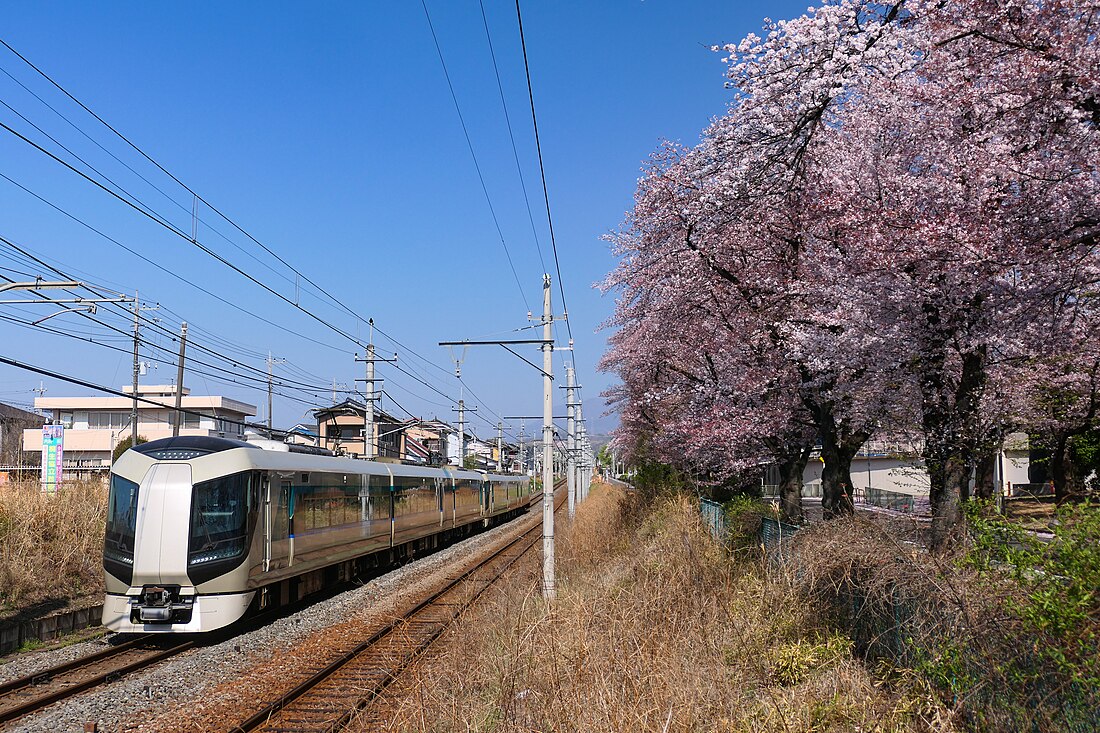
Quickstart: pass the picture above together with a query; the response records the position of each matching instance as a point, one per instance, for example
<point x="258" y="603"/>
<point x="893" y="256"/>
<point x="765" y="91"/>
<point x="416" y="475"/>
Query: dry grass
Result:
<point x="654" y="629"/>
<point x="51" y="545"/>
<point x="938" y="622"/>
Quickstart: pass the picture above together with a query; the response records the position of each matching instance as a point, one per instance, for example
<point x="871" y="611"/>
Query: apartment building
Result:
<point x="95" y="425"/>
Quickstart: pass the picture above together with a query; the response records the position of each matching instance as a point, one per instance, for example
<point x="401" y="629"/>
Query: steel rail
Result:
<point x="58" y="678"/>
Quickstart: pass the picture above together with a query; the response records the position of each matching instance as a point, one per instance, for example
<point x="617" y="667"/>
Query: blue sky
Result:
<point x="328" y="133"/>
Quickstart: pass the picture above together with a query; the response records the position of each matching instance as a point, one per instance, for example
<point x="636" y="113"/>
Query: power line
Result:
<point x="107" y="390"/>
<point x="508" y="121"/>
<point x="147" y="211"/>
<point x="470" y="145"/>
<point x="125" y="165"/>
<point x="542" y="173"/>
<point x="153" y="216"/>
<point x="164" y="269"/>
<point x="145" y="155"/>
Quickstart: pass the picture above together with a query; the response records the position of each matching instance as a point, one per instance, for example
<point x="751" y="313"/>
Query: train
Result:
<point x="202" y="531"/>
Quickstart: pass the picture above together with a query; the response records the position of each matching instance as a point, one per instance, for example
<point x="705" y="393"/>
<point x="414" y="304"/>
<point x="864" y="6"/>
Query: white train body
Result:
<point x="200" y="530"/>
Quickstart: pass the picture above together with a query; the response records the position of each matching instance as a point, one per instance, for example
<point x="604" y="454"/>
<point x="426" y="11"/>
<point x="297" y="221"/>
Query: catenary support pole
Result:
<point x="179" y="382"/>
<point x="549" y="588"/>
<point x="137" y="368"/>
<point x="571" y="440"/>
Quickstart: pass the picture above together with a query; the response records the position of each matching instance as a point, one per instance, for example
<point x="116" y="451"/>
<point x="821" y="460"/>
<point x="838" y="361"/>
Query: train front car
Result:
<point x="181" y="516"/>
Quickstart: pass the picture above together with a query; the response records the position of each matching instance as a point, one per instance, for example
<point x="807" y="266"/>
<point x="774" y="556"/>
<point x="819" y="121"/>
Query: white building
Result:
<point x="95" y="425"/>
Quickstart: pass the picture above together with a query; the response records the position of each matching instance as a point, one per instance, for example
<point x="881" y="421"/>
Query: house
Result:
<point x="13" y="421"/>
<point x="340" y="429"/>
<point x="435" y="436"/>
<point x="302" y="434"/>
<point x="95" y="425"/>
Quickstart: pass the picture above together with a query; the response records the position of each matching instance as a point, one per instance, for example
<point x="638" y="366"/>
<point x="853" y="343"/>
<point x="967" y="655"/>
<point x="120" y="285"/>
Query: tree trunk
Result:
<point x="792" y="465"/>
<point x="839" y="445"/>
<point x="950" y="441"/>
<point x="984" y="474"/>
<point x="1063" y="469"/>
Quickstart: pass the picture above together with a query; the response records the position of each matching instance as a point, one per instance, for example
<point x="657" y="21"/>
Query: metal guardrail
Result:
<point x="714" y="517"/>
<point x="892" y="500"/>
<point x="1034" y="490"/>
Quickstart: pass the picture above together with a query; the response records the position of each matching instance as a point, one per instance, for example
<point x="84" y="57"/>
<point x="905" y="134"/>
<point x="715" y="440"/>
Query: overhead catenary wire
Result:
<point x="473" y="154"/>
<point x="542" y="174"/>
<point x="149" y="321"/>
<point x="511" y="135"/>
<point x="107" y="390"/>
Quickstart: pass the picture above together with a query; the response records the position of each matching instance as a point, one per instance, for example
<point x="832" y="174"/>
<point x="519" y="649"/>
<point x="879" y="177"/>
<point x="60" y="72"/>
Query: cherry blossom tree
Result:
<point x="899" y="210"/>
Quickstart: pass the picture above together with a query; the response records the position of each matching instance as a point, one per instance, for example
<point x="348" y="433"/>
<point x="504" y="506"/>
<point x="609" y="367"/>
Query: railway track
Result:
<point x="36" y="691"/>
<point x="329" y="698"/>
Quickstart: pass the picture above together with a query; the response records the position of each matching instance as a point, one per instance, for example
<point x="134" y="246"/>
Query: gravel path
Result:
<point x="205" y="688"/>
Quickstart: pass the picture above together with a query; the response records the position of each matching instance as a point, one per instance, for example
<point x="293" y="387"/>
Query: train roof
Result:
<point x="189" y="447"/>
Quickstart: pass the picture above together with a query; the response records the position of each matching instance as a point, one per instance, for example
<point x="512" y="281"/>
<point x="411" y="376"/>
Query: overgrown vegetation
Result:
<point x="655" y="629"/>
<point x="51" y="545"/>
<point x="1006" y="632"/>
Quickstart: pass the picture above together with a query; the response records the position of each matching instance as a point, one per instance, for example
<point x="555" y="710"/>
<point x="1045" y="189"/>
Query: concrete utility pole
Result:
<point x="462" y="410"/>
<point x="370" y="395"/>
<point x="571" y="440"/>
<point x="271" y="362"/>
<point x="500" y="446"/>
<point x="137" y="369"/>
<point x="179" y="381"/>
<point x="547" y="344"/>
<point x="582" y="486"/>
<point x="549" y="587"/>
<point x="522" y="447"/>
<point x="138" y="308"/>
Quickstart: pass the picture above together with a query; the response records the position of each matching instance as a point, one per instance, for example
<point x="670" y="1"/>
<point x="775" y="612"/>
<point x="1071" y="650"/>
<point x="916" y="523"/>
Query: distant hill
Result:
<point x="598" y="423"/>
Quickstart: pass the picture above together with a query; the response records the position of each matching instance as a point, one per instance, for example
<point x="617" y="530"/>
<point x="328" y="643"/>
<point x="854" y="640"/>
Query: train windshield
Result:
<point x="219" y="519"/>
<point x="121" y="520"/>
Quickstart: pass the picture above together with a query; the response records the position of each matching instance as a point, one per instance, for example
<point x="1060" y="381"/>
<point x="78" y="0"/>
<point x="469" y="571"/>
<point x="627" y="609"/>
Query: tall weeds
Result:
<point x="1007" y="633"/>
<point x="654" y="629"/>
<point x="51" y="545"/>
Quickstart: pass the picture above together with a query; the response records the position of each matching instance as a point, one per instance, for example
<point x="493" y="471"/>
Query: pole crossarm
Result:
<point x="60" y="301"/>
<point x="505" y="343"/>
<point x="496" y="343"/>
<point x="40" y="284"/>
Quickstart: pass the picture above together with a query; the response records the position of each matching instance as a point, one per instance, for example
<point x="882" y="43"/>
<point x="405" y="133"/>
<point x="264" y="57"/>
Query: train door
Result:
<point x="440" y="495"/>
<point x="265" y="494"/>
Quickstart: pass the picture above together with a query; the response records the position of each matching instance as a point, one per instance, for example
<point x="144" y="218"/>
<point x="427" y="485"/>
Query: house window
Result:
<point x="65" y="418"/>
<point x="108" y="420"/>
<point x="191" y="422"/>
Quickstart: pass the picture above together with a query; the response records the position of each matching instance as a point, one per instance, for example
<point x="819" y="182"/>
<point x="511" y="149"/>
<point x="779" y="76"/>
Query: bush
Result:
<point x="124" y="445"/>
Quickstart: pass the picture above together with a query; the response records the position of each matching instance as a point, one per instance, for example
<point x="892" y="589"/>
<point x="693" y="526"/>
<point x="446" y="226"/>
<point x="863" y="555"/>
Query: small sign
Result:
<point x="53" y="442"/>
